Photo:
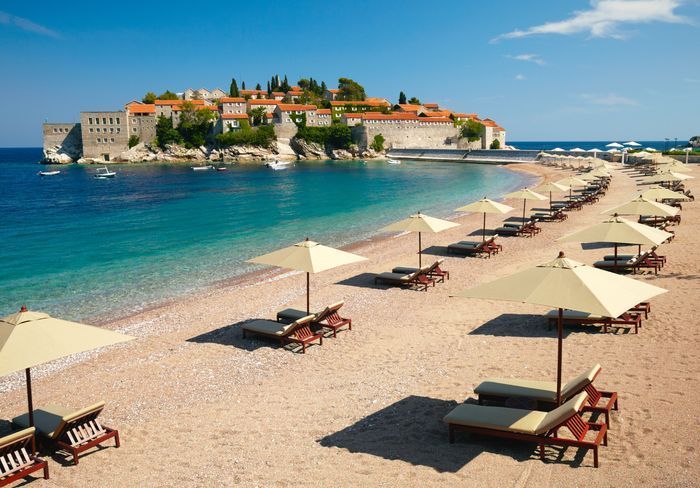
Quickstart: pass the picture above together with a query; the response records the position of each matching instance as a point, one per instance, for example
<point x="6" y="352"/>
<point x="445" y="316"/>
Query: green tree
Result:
<point x="194" y="124"/>
<point x="495" y="144"/>
<point x="258" y="87"/>
<point x="324" y="88"/>
<point x="257" y="115"/>
<point x="262" y="136"/>
<point x="339" y="136"/>
<point x="149" y="97"/>
<point x="269" y="90"/>
<point x="472" y="130"/>
<point x="168" y="95"/>
<point x="413" y="101"/>
<point x="378" y="143"/>
<point x="165" y="133"/>
<point x="350" y="90"/>
<point x="233" y="90"/>
<point x="402" y="98"/>
<point x="285" y="85"/>
<point x="133" y="140"/>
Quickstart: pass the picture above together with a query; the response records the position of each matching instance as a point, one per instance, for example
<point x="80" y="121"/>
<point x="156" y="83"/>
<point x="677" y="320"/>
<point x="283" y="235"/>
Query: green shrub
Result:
<point x="262" y="136"/>
<point x="472" y="130"/>
<point x="335" y="136"/>
<point x="133" y="140"/>
<point x="496" y="144"/>
<point x="378" y="143"/>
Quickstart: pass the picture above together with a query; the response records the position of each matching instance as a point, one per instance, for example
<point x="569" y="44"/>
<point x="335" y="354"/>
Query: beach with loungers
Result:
<point x="378" y="372"/>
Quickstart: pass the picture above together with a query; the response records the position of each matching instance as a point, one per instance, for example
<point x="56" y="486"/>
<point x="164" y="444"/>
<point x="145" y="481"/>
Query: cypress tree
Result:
<point x="324" y="88"/>
<point x="402" y="98"/>
<point x="233" y="90"/>
<point x="242" y="85"/>
<point x="269" y="89"/>
<point x="258" y="87"/>
<point x="285" y="84"/>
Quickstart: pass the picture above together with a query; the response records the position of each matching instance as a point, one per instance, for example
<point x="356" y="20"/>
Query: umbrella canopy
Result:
<point x="567" y="284"/>
<point x="632" y="144"/>
<point x="577" y="149"/>
<point x="614" y="145"/>
<point x="525" y="194"/>
<point x="643" y="206"/>
<point x="28" y="339"/>
<point x="308" y="256"/>
<point x="572" y="181"/>
<point x="553" y="187"/>
<point x="485" y="206"/>
<point x="676" y="167"/>
<point x="613" y="150"/>
<point x="650" y="149"/>
<point x="558" y="149"/>
<point x="661" y="193"/>
<point x="665" y="176"/>
<point x="420" y="223"/>
<point x="595" y="150"/>
<point x="600" y="172"/>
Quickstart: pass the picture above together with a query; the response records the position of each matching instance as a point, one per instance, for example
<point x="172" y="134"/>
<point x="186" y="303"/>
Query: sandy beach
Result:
<point x="198" y="405"/>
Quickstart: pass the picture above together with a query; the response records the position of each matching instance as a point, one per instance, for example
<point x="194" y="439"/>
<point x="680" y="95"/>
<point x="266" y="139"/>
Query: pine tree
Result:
<point x="242" y="85"/>
<point x="285" y="84"/>
<point x="277" y="81"/>
<point x="233" y="91"/>
<point x="402" y="98"/>
<point x="258" y="87"/>
<point x="269" y="89"/>
<point x="324" y="88"/>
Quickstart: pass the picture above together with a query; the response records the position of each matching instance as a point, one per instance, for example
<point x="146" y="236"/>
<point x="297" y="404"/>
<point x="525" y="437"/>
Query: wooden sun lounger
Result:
<point x="434" y="271"/>
<point x="472" y="248"/>
<point x="296" y="332"/>
<point x="70" y="430"/>
<point x="651" y="255"/>
<point x="15" y="461"/>
<point x="541" y="428"/>
<point x="627" y="319"/>
<point x="643" y="261"/>
<point x="544" y="393"/>
<point x="417" y="279"/>
<point x="328" y="318"/>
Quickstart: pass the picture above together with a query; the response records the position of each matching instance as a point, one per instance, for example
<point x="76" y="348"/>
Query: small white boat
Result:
<point x="49" y="173"/>
<point x="276" y="165"/>
<point x="202" y="168"/>
<point x="104" y="173"/>
<point x="221" y="168"/>
<point x="393" y="161"/>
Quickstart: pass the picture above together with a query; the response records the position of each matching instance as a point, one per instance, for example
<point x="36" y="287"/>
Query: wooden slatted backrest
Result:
<point x="292" y="328"/>
<point x="329" y="311"/>
<point x="13" y="451"/>
<point x="81" y="424"/>
<point x="593" y="394"/>
<point x="303" y="332"/>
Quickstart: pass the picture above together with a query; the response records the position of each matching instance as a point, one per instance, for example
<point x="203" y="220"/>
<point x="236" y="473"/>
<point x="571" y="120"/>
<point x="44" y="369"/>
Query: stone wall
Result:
<point x="61" y="140"/>
<point x="427" y="137"/>
<point x="285" y="131"/>
<point x="105" y="134"/>
<point x="143" y="127"/>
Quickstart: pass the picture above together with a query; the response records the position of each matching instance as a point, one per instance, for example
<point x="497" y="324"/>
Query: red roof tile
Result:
<point x="367" y="103"/>
<point x="234" y="116"/>
<point x="290" y="107"/>
<point x="232" y="100"/>
<point x="142" y="108"/>
<point x="263" y="101"/>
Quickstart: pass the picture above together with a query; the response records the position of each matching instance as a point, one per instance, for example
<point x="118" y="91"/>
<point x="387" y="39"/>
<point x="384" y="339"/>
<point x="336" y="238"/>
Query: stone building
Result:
<point x="141" y="121"/>
<point x="268" y="105"/>
<point x="233" y="105"/>
<point x="339" y="107"/>
<point x="253" y="93"/>
<point x="402" y="130"/>
<point x="492" y="131"/>
<point x="204" y="94"/>
<point x="105" y="135"/>
<point x="63" y="143"/>
<point x="230" y="122"/>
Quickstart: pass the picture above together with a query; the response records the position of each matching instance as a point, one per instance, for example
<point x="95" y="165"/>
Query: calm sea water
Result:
<point x="78" y="247"/>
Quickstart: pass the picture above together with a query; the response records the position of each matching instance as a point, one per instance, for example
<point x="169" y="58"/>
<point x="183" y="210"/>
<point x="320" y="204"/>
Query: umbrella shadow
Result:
<point x="480" y="233"/>
<point x="436" y="251"/>
<point x="6" y="428"/>
<point x="232" y="335"/>
<point x="411" y="430"/>
<point x="362" y="280"/>
<point x="529" y="325"/>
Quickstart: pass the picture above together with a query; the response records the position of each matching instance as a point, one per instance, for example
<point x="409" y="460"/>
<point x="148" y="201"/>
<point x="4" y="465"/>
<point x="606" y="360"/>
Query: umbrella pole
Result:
<point x="419" y="251"/>
<point x="560" y="326"/>
<point x="308" y="307"/>
<point x="550" y="204"/>
<point x="483" y="234"/>
<point x="523" y="211"/>
<point x="30" y="404"/>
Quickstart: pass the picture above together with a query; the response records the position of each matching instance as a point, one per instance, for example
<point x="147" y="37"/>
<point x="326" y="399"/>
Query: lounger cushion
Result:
<point x="269" y="327"/>
<point x="395" y="276"/>
<point x="572" y="315"/>
<point x="610" y="264"/>
<point x="293" y="314"/>
<point x="16" y="436"/>
<point x="466" y="245"/>
<point x="410" y="270"/>
<point x="50" y="419"/>
<point x="561" y="413"/>
<point x="580" y="382"/>
<point x="497" y="418"/>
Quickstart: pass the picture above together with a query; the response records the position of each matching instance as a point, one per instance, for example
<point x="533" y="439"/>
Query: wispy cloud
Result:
<point x="605" y="17"/>
<point x="610" y="100"/>
<point x="530" y="58"/>
<point x="27" y="25"/>
<point x="520" y="77"/>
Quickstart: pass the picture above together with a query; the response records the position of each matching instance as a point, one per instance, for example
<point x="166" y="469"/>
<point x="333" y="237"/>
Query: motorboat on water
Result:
<point x="202" y="168"/>
<point x="49" y="173"/>
<point x="276" y="165"/>
<point x="104" y="173"/>
<point x="393" y="161"/>
<point x="221" y="168"/>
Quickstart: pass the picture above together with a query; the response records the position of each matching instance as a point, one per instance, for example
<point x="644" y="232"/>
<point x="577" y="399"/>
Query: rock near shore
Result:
<point x="64" y="154"/>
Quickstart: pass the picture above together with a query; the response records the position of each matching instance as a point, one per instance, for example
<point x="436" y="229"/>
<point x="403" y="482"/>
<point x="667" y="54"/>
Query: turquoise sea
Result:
<point x="78" y="247"/>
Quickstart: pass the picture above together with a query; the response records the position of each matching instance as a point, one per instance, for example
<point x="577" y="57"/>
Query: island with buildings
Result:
<point x="302" y="121"/>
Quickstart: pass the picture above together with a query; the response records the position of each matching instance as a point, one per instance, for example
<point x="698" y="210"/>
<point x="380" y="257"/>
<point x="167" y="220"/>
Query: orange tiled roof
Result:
<point x="295" y="88"/>
<point x="431" y="105"/>
<point x="369" y="103"/>
<point x="142" y="108"/>
<point x="489" y="123"/>
<point x="277" y="94"/>
<point x="403" y="116"/>
<point x="334" y="90"/>
<point x="290" y="107"/>
<point x="353" y="115"/>
<point x="178" y="108"/>
<point x="407" y="107"/>
<point x="437" y="113"/>
<point x="295" y="93"/>
<point x="263" y="101"/>
<point x="234" y="116"/>
<point x="324" y="111"/>
<point x="252" y="92"/>
<point x="232" y="100"/>
<point x="179" y="102"/>
<point x="466" y="116"/>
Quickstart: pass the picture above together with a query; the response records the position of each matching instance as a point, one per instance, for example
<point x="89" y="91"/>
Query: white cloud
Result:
<point x="519" y="77"/>
<point x="530" y="58"/>
<point x="610" y="100"/>
<point x="27" y="25"/>
<point x="605" y="17"/>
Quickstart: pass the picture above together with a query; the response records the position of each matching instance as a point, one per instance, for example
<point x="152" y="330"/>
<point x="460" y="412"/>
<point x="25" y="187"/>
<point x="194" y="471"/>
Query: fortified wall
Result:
<point x="439" y="136"/>
<point x="62" y="140"/>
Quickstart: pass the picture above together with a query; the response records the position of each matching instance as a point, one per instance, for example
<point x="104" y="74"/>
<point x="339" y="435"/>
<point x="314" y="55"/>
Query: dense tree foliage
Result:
<point x="495" y="144"/>
<point x="133" y="140"/>
<point x="402" y="98"/>
<point x="414" y="101"/>
<point x="168" y="95"/>
<point x="335" y="136"/>
<point x="257" y="115"/>
<point x="149" y="97"/>
<point x="195" y="125"/>
<point x="350" y="90"/>
<point x="263" y="136"/>
<point x="165" y="133"/>
<point x="233" y="90"/>
<point x="472" y="130"/>
<point x="378" y="143"/>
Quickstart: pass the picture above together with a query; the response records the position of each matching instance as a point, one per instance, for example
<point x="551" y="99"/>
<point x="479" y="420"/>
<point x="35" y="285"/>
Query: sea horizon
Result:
<point x="80" y="247"/>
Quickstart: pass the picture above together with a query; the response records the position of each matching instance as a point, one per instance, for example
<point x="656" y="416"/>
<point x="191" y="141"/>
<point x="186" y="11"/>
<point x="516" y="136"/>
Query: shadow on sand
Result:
<point x="411" y="430"/>
<point x="232" y="335"/>
<point x="530" y="325"/>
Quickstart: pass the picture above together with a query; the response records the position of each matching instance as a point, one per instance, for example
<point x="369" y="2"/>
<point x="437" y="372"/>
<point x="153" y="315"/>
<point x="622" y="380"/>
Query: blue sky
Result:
<point x="545" y="70"/>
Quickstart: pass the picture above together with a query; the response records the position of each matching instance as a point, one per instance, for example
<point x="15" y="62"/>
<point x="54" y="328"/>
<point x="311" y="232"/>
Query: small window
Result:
<point x="104" y="120"/>
<point x="134" y="129"/>
<point x="90" y="129"/>
<point x="90" y="120"/>
<point x="118" y="130"/>
<point x="55" y="130"/>
<point x="98" y="129"/>
<point x="111" y="140"/>
<point x="117" y="120"/>
<point x="111" y="121"/>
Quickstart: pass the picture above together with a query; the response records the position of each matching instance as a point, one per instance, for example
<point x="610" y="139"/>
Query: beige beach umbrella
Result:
<point x="661" y="193"/>
<point x="643" y="206"/>
<point x="572" y="182"/>
<point x="420" y="223"/>
<point x="552" y="187"/>
<point x="308" y="256"/>
<point x="485" y="206"/>
<point x="28" y="339"/>
<point x="525" y="194"/>
<point x="617" y="230"/>
<point x="666" y="176"/>
<point x="600" y="173"/>
<point x="676" y="167"/>
<point x="567" y="284"/>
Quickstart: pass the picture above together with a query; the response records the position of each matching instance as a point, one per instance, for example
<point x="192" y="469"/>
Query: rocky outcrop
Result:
<point x="63" y="154"/>
<point x="307" y="150"/>
<point x="341" y="154"/>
